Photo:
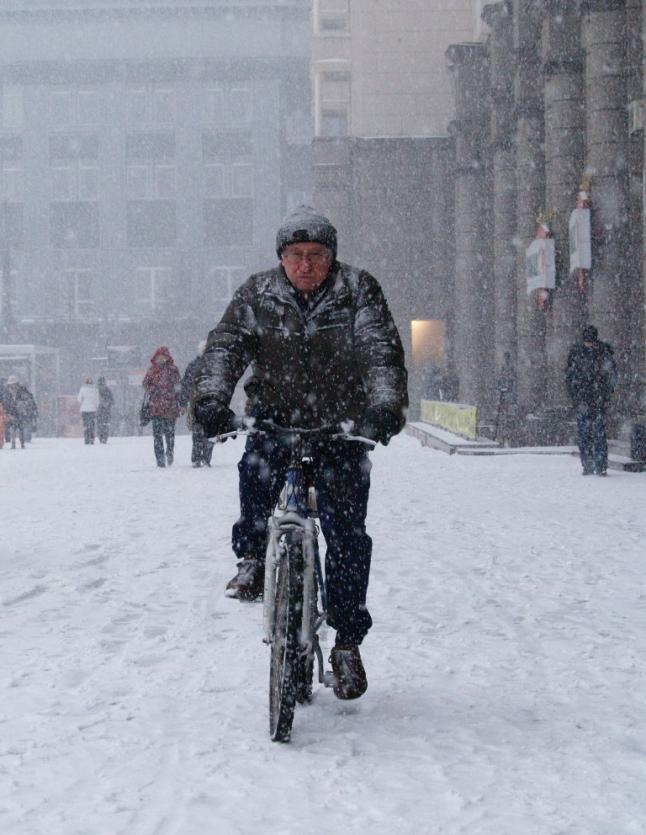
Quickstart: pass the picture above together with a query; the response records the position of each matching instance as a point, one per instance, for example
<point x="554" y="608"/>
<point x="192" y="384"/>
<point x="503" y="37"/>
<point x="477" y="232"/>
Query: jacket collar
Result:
<point x="332" y="286"/>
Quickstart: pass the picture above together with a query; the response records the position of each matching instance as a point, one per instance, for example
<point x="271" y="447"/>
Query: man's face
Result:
<point x="306" y="265"/>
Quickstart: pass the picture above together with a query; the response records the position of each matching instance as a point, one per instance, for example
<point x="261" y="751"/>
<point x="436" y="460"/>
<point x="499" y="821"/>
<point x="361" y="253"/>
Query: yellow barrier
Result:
<point x="455" y="417"/>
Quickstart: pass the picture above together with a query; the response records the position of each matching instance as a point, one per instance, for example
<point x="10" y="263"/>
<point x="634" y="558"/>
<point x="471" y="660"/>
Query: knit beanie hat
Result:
<point x="303" y="225"/>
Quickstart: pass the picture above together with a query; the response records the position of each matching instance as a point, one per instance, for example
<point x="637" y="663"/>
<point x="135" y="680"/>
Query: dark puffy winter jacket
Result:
<point x="591" y="374"/>
<point x="313" y="361"/>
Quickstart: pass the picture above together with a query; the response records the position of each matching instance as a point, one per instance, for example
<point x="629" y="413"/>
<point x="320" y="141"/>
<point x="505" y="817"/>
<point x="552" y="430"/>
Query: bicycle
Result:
<point x="294" y="581"/>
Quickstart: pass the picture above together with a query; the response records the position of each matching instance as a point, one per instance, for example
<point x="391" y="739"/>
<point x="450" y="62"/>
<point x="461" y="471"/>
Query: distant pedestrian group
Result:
<point x="95" y="402"/>
<point x="18" y="413"/>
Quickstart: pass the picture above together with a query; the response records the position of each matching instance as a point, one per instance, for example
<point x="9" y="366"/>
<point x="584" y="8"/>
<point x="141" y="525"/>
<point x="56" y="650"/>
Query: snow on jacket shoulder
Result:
<point x="88" y="397"/>
<point x="314" y="361"/>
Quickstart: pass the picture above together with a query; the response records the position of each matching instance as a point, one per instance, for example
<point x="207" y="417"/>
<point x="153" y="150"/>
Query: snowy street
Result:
<point x="506" y="666"/>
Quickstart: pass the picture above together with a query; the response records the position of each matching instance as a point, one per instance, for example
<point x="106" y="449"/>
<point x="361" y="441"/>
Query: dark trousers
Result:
<point x="201" y="450"/>
<point x="17" y="429"/>
<point x="163" y="429"/>
<point x="341" y="474"/>
<point x="103" y="426"/>
<point x="88" y="426"/>
<point x="593" y="443"/>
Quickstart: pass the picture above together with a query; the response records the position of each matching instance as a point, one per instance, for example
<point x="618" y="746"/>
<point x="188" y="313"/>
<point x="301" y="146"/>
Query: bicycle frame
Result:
<point x="296" y="516"/>
<point x="276" y="528"/>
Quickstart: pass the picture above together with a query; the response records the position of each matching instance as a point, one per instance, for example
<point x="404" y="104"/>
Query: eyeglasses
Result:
<point x="311" y="257"/>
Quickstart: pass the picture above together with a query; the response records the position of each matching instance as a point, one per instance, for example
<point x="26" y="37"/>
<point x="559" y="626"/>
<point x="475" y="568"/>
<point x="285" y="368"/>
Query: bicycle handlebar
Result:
<point x="252" y="426"/>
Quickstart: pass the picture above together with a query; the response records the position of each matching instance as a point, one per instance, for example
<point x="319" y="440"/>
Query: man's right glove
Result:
<point x="214" y="419"/>
<point x="380" y="424"/>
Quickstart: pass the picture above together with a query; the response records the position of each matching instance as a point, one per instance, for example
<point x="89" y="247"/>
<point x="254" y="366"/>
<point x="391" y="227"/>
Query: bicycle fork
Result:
<point x="276" y="552"/>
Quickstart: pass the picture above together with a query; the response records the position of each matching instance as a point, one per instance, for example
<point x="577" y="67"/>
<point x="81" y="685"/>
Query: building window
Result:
<point x="74" y="107"/>
<point x="88" y="108"/>
<point x="11" y="223"/>
<point x="229" y="104"/>
<point x="151" y="181"/>
<point x="224" y="281"/>
<point x="333" y="123"/>
<point x="214" y="179"/>
<point x="11" y="289"/>
<point x="61" y="108"/>
<point x="150" y="104"/>
<point x="151" y="223"/>
<point x="234" y="179"/>
<point x="215" y="109"/>
<point x="152" y="287"/>
<point x="12" y="184"/>
<point x="75" y="180"/>
<point x="332" y="17"/>
<point x="240" y="105"/>
<point x="74" y="225"/>
<point x="80" y="293"/>
<point x="11" y="108"/>
<point x="241" y="179"/>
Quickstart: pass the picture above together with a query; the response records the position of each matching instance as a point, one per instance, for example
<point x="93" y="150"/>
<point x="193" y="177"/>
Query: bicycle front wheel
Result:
<point x="285" y="646"/>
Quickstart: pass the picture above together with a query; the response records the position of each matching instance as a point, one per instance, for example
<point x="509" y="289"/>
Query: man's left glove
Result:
<point x="380" y="424"/>
<point x="214" y="419"/>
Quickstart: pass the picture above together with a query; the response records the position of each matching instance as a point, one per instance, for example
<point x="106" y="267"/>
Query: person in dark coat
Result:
<point x="19" y="407"/>
<point x="162" y="385"/>
<point x="591" y="377"/>
<point x="506" y="413"/>
<point x="323" y="349"/>
<point x="202" y="448"/>
<point x="106" y="401"/>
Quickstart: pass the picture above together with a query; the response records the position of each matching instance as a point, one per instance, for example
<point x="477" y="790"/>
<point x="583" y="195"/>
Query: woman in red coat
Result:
<point x="162" y="384"/>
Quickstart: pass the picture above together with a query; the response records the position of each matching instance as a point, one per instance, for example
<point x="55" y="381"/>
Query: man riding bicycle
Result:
<point x="323" y="349"/>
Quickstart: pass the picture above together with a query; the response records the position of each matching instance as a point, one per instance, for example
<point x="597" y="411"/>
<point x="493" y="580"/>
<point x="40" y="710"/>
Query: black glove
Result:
<point x="380" y="424"/>
<point x="214" y="419"/>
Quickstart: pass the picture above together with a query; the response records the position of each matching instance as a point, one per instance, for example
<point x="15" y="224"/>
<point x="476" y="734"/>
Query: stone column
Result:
<point x="498" y="17"/>
<point x="635" y="81"/>
<point x="530" y="196"/>
<point x="472" y="277"/>
<point x="564" y="160"/>
<point x="613" y="282"/>
<point x="641" y="333"/>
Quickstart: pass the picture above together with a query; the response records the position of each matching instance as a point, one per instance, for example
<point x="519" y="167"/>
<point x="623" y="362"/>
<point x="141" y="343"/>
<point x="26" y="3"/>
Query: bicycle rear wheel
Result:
<point x="285" y="646"/>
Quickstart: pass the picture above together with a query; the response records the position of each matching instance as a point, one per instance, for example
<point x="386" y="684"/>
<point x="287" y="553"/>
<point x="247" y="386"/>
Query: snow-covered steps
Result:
<point x="442" y="439"/>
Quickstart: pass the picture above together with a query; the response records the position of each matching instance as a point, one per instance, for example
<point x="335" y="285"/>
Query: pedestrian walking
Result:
<point x="162" y="385"/>
<point x="590" y="378"/>
<point x="106" y="400"/>
<point x="19" y="406"/>
<point x="88" y="398"/>
<point x="507" y="402"/>
<point x="3" y="423"/>
<point x="201" y="448"/>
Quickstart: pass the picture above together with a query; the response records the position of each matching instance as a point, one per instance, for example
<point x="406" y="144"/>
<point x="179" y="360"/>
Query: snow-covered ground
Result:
<point x="507" y="664"/>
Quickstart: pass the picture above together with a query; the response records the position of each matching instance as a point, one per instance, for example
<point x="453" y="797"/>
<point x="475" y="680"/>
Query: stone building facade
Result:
<point x="148" y="151"/>
<point x="545" y="96"/>
<point x="382" y="156"/>
<point x="563" y="86"/>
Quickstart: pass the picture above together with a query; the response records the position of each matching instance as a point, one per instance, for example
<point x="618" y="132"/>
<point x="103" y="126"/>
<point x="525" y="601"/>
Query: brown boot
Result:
<point x="350" y="680"/>
<point x="249" y="582"/>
